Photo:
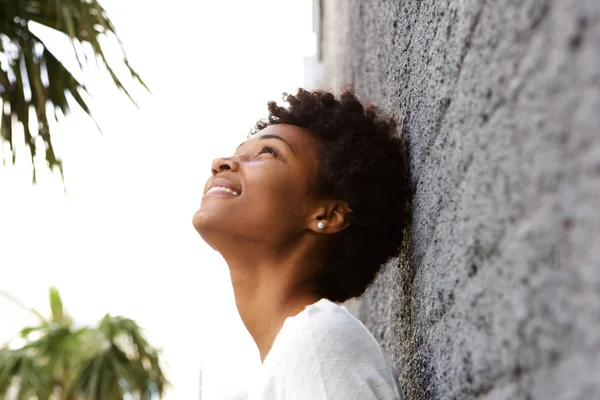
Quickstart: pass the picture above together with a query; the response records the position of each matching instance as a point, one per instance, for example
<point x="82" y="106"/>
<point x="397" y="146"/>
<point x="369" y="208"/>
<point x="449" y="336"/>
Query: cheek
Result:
<point x="278" y="206"/>
<point x="278" y="200"/>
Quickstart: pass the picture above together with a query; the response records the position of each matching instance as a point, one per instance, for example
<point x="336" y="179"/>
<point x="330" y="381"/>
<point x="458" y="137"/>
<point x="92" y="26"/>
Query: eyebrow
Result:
<point x="271" y="136"/>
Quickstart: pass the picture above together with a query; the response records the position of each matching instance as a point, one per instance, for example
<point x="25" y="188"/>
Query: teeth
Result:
<point x="224" y="189"/>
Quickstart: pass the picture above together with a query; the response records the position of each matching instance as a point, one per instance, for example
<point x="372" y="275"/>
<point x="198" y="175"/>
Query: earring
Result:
<point x="321" y="225"/>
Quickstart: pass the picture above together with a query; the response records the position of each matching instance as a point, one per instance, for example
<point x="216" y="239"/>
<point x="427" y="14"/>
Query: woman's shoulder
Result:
<point x="328" y="318"/>
<point x="328" y="328"/>
<point x="327" y="352"/>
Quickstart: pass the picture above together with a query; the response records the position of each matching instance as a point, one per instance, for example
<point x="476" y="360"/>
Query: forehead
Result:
<point x="299" y="138"/>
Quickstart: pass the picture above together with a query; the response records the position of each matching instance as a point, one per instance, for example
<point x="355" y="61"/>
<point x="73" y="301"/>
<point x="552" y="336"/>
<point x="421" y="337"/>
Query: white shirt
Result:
<point x="325" y="353"/>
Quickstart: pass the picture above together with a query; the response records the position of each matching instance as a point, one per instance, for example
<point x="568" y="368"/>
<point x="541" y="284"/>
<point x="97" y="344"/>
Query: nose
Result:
<point x="224" y="164"/>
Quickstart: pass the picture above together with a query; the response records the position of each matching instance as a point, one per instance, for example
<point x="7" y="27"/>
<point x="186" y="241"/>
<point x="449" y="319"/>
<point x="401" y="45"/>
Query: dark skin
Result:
<point x="265" y="226"/>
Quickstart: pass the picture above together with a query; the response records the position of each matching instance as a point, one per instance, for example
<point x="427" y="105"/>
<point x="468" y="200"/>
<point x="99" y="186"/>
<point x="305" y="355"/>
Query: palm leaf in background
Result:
<point x="109" y="361"/>
<point x="34" y="84"/>
<point x="126" y="363"/>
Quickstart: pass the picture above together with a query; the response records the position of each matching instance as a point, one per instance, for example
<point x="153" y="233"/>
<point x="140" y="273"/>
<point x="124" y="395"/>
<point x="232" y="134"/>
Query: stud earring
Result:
<point x="321" y="225"/>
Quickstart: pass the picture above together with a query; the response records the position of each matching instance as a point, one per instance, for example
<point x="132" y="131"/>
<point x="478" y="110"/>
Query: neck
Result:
<point x="269" y="289"/>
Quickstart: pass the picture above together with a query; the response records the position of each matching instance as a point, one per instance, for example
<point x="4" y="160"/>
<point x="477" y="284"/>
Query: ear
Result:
<point x="333" y="217"/>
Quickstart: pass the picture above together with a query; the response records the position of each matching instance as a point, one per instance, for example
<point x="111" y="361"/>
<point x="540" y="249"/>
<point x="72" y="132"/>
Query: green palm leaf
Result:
<point x="22" y="88"/>
<point x="23" y="369"/>
<point x="59" y="360"/>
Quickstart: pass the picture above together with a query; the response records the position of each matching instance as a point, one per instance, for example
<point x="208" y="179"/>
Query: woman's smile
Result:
<point x="223" y="187"/>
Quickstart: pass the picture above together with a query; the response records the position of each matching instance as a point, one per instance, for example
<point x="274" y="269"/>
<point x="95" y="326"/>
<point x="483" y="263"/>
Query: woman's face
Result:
<point x="261" y="193"/>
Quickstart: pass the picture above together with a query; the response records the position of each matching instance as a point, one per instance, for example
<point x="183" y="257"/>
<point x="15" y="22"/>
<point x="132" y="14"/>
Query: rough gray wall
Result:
<point x="500" y="298"/>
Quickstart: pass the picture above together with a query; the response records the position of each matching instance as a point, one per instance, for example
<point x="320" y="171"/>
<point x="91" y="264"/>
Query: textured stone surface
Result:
<point x="500" y="297"/>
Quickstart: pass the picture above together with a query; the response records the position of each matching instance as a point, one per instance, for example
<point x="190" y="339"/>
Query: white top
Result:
<point x="325" y="353"/>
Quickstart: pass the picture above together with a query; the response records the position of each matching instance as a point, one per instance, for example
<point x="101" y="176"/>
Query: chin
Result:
<point x="206" y="225"/>
<point x="201" y="221"/>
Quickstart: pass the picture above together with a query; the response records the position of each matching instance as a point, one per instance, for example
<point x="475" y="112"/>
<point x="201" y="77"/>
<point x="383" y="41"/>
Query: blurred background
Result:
<point x="497" y="290"/>
<point x="117" y="237"/>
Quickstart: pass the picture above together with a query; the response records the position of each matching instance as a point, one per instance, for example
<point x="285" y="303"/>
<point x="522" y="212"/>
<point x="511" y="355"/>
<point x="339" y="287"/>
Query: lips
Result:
<point x="222" y="189"/>
<point x="223" y="185"/>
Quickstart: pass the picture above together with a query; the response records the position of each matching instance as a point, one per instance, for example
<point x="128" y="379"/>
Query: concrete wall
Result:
<point x="500" y="296"/>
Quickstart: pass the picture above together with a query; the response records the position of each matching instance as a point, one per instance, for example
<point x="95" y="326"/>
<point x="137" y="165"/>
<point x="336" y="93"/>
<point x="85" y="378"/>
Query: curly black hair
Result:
<point x="363" y="161"/>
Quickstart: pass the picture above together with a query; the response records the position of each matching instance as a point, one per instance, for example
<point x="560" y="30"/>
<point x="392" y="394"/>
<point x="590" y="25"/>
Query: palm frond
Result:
<point x="144" y="362"/>
<point x="20" y="370"/>
<point x="9" y="368"/>
<point x="28" y="60"/>
<point x="107" y="361"/>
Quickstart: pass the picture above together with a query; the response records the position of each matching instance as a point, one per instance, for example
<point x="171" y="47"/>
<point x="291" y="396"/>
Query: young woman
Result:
<point x="305" y="212"/>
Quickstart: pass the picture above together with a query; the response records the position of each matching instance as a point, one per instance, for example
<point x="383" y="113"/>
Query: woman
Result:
<point x="305" y="213"/>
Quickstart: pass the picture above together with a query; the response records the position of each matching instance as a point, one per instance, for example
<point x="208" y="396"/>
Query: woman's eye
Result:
<point x="268" y="150"/>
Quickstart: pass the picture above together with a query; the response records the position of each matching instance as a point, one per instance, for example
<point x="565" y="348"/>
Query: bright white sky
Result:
<point x="121" y="239"/>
